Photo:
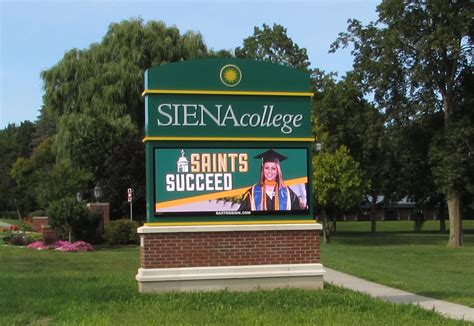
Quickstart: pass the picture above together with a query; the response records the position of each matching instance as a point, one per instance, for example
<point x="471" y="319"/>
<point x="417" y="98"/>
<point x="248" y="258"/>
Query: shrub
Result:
<point x="61" y="215"/>
<point x="87" y="228"/>
<point x="66" y="215"/>
<point x="26" y="227"/>
<point x="37" y="213"/>
<point x="33" y="236"/>
<point x="49" y="238"/>
<point x="121" y="232"/>
<point x="18" y="240"/>
<point x="19" y="236"/>
<point x="15" y="236"/>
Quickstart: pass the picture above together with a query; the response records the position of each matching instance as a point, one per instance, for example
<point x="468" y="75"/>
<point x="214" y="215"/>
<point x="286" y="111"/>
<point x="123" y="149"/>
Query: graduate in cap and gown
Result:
<point x="270" y="193"/>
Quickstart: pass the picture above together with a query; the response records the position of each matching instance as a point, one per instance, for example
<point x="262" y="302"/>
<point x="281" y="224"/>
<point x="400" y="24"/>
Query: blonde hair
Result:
<point x="279" y="177"/>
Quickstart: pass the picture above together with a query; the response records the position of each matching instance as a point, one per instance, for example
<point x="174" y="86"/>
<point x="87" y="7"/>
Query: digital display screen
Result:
<point x="230" y="181"/>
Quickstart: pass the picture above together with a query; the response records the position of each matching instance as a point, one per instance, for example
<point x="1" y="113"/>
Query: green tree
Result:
<point x="341" y="116"/>
<point x="9" y="155"/>
<point x="87" y="141"/>
<point x="273" y="45"/>
<point x="451" y="151"/>
<point x="70" y="218"/>
<point x="124" y="167"/>
<point x="337" y="183"/>
<point x="63" y="181"/>
<point x="411" y="59"/>
<point x="93" y="102"/>
<point x="107" y="78"/>
<point x="410" y="144"/>
<point x="15" y="148"/>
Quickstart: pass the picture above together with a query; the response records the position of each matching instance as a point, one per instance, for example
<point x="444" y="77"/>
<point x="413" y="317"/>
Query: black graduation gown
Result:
<point x="247" y="206"/>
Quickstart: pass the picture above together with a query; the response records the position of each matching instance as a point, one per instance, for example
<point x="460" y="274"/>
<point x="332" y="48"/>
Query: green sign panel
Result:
<point x="227" y="140"/>
<point x="227" y="99"/>
<point x="228" y="116"/>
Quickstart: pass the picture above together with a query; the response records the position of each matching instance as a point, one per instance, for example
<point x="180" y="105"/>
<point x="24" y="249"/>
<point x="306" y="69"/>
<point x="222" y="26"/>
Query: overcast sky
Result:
<point x="35" y="34"/>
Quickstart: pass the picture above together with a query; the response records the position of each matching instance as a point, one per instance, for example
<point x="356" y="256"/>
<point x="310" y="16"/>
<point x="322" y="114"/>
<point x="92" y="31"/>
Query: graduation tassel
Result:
<point x="277" y="201"/>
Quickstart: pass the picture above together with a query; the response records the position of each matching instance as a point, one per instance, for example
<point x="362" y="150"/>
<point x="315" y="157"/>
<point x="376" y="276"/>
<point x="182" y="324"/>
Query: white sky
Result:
<point x="34" y="35"/>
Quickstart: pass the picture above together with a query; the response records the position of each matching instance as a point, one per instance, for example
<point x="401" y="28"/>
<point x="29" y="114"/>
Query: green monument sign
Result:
<point x="227" y="140"/>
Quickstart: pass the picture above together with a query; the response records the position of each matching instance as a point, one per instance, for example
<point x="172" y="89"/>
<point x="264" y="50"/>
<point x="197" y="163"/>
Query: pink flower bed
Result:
<point x="39" y="245"/>
<point x="63" y="246"/>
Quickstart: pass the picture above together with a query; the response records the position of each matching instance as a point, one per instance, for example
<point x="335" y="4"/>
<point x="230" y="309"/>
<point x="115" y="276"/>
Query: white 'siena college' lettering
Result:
<point x="198" y="115"/>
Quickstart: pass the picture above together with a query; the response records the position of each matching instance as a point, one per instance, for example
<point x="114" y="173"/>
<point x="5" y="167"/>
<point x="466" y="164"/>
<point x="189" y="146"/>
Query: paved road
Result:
<point x="447" y="309"/>
<point x="4" y="225"/>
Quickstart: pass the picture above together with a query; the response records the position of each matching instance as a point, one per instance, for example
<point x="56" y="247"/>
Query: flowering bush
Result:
<point x="17" y="236"/>
<point x="39" y="245"/>
<point x="59" y="244"/>
<point x="65" y="246"/>
<point x="76" y="246"/>
<point x="14" y="236"/>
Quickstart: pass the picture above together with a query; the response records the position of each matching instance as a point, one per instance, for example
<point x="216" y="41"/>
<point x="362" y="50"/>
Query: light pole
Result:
<point x="97" y="192"/>
<point x="317" y="147"/>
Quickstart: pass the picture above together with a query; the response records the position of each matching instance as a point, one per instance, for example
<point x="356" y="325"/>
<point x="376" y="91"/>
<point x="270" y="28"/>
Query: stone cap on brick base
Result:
<point x="225" y="272"/>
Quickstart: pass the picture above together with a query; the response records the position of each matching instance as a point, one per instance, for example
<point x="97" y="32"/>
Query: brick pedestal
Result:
<point x="38" y="222"/>
<point x="236" y="257"/>
<point x="102" y="209"/>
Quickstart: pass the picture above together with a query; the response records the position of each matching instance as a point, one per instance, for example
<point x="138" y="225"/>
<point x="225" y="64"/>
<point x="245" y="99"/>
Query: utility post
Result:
<point x="130" y="201"/>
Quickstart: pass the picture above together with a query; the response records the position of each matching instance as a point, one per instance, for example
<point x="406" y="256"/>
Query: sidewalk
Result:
<point x="4" y="225"/>
<point x="447" y="309"/>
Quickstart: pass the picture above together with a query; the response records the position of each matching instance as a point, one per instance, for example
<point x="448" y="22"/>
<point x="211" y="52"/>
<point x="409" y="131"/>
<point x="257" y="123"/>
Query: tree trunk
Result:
<point x="454" y="203"/>
<point x="442" y="217"/>
<point x="334" y="220"/>
<point x="326" y="230"/>
<point x="18" y="212"/>
<point x="373" y="213"/>
<point x="455" y="222"/>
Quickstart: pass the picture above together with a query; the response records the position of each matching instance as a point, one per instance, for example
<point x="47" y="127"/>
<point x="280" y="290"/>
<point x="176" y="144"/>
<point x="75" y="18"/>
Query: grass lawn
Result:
<point x="398" y="257"/>
<point x="49" y="287"/>
<point x="10" y="221"/>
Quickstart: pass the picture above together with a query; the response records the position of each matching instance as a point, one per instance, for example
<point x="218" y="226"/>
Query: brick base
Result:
<point x="102" y="209"/>
<point x="192" y="247"/>
<point x="38" y="222"/>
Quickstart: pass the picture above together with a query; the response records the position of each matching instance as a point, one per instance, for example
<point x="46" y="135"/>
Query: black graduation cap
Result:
<point x="271" y="156"/>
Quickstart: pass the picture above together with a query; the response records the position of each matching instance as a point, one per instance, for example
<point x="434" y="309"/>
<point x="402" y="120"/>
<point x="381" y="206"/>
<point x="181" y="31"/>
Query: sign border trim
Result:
<point x="211" y="92"/>
<point x="155" y="138"/>
<point x="231" y="222"/>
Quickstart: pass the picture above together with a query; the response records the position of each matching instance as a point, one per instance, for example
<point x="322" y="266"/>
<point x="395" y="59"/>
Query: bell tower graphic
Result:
<point x="182" y="163"/>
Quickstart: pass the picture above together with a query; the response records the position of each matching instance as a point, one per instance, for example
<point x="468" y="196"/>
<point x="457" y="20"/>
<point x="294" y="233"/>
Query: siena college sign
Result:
<point x="228" y="156"/>
<point x="207" y="122"/>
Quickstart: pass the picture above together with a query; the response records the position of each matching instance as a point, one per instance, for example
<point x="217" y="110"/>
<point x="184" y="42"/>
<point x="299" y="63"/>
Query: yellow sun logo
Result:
<point x="230" y="75"/>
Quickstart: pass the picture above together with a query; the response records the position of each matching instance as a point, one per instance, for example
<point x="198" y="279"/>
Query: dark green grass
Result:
<point x="398" y="257"/>
<point x="10" y="221"/>
<point x="47" y="287"/>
